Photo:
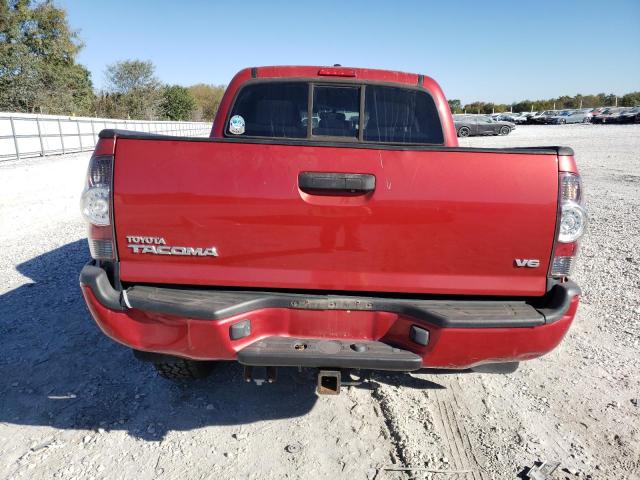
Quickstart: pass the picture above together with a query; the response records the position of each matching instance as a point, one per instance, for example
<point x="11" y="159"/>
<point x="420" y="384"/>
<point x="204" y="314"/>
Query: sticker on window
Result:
<point x="236" y="125"/>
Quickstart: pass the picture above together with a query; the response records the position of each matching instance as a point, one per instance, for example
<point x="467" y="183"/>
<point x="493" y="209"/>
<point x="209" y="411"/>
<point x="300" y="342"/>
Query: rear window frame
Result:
<point x="313" y="82"/>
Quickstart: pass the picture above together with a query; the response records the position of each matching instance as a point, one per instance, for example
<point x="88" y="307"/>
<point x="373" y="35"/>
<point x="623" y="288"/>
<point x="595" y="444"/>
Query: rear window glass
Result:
<point x="337" y="110"/>
<point x="401" y="116"/>
<point x="279" y="110"/>
<point x="274" y="109"/>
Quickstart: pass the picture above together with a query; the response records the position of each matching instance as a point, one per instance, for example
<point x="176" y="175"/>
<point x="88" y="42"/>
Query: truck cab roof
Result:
<point x="337" y="71"/>
<point x="340" y="75"/>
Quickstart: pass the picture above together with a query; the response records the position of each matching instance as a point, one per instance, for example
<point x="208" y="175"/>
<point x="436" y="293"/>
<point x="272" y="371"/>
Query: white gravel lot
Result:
<point x="73" y="404"/>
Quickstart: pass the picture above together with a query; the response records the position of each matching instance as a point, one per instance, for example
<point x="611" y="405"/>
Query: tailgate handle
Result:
<point x="318" y="182"/>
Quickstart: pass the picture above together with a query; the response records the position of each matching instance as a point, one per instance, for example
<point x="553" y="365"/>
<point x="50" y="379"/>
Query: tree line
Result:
<point x="39" y="73"/>
<point x="563" y="102"/>
<point x="133" y="91"/>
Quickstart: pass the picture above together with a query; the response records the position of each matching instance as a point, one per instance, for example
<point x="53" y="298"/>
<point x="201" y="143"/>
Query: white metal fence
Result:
<point x="25" y="135"/>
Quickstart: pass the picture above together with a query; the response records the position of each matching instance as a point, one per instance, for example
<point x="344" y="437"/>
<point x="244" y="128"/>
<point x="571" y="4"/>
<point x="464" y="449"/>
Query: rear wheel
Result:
<point x="464" y="131"/>
<point x="504" y="130"/>
<point x="181" y="369"/>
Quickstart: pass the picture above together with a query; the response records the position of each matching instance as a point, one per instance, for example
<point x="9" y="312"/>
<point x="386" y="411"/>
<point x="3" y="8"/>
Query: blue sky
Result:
<point x="500" y="51"/>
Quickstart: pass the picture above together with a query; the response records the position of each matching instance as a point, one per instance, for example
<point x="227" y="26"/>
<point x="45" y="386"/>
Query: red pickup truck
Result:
<point x="331" y="220"/>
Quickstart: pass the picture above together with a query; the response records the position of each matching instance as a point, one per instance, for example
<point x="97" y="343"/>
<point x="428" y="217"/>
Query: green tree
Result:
<point x="455" y="106"/>
<point x="135" y="88"/>
<point x="610" y="99"/>
<point x="106" y="104"/>
<point x="38" y="72"/>
<point x="630" y="99"/>
<point x="177" y="103"/>
<point x="523" y="106"/>
<point x="208" y="98"/>
<point x="475" y="107"/>
<point x="565" y="101"/>
<point x="499" y="108"/>
<point x="488" y="108"/>
<point x="591" y="101"/>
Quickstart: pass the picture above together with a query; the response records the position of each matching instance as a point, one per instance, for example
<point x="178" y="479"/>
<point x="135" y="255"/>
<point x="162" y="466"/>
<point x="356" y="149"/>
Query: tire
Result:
<point x="183" y="369"/>
<point x="563" y="122"/>
<point x="504" y="130"/>
<point x="464" y="131"/>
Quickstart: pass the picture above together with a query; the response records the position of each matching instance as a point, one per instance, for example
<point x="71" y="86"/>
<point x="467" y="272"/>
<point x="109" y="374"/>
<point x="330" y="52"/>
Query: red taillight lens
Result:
<point x="573" y="221"/>
<point x="95" y="205"/>
<point x="101" y="243"/>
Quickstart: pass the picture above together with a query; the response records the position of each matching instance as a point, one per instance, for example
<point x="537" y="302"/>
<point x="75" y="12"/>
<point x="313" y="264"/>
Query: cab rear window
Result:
<point x="336" y="110"/>
<point x="270" y="109"/>
<point x="386" y="114"/>
<point x="400" y="115"/>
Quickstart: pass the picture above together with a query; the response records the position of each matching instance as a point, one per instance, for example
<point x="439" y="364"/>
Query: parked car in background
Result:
<point x="541" y="118"/>
<point x="629" y="116"/>
<point x="521" y="118"/>
<point x="570" y="116"/>
<point x="472" y="125"/>
<point x="589" y="112"/>
<point x="608" y="115"/>
<point x="549" y="119"/>
<point x="510" y="117"/>
<point x="597" y="111"/>
<point x="616" y="117"/>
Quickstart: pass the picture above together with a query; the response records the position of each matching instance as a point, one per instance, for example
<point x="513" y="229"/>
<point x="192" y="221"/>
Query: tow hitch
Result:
<point x="329" y="382"/>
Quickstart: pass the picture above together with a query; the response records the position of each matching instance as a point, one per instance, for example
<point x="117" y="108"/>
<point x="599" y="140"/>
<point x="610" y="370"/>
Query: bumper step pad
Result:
<point x="219" y="304"/>
<point x="324" y="353"/>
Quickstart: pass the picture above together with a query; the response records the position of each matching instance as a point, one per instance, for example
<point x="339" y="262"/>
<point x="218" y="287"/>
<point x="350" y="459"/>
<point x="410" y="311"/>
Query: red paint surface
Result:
<point x="209" y="340"/>
<point x="438" y="222"/>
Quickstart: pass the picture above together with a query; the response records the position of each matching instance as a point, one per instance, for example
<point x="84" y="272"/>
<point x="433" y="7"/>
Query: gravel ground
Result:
<point x="73" y="404"/>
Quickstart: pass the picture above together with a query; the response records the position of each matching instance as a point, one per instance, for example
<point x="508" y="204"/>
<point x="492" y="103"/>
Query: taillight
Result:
<point x="95" y="205"/>
<point x="573" y="221"/>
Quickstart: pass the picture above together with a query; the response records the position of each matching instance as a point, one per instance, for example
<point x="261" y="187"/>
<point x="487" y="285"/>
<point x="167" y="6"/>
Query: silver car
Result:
<point x="571" y="116"/>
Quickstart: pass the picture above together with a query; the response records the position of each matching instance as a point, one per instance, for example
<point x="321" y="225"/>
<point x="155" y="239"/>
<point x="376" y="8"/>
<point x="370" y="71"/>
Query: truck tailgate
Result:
<point x="441" y="221"/>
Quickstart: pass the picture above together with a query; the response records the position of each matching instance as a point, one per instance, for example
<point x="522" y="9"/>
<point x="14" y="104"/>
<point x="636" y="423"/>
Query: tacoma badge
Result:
<point x="158" y="246"/>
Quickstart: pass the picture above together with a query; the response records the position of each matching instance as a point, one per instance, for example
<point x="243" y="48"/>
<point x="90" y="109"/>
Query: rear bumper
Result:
<point x="206" y="324"/>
